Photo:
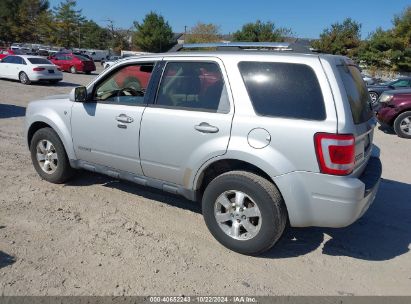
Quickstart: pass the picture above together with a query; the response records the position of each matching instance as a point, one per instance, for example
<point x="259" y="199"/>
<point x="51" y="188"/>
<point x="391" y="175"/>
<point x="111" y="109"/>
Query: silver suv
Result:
<point x="262" y="138"/>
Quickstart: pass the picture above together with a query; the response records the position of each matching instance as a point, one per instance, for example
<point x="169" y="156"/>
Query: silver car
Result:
<point x="260" y="138"/>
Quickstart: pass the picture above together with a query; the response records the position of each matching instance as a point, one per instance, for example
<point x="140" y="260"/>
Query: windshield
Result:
<point x="357" y="93"/>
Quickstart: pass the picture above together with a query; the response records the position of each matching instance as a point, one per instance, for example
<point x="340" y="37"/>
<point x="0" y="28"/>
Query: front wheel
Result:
<point x="244" y="212"/>
<point x="49" y="156"/>
<point x="402" y="125"/>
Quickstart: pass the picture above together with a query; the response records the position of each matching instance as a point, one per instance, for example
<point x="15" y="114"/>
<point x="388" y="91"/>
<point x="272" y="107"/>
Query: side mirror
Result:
<point x="78" y="94"/>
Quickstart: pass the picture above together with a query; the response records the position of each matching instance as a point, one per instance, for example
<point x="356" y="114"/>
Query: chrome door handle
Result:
<point x="205" y="127"/>
<point x="124" y="118"/>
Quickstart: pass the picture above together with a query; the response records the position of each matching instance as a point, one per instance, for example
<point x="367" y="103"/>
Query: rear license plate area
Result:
<point x="51" y="71"/>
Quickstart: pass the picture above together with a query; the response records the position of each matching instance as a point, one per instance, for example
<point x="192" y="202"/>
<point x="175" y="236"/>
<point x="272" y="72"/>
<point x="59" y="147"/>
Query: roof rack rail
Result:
<point x="248" y="46"/>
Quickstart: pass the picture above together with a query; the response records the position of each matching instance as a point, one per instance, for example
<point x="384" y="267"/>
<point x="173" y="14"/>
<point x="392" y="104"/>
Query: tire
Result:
<point x="88" y="72"/>
<point x="258" y="192"/>
<point x="73" y="70"/>
<point x="60" y="170"/>
<point x="24" y="79"/>
<point x="374" y="96"/>
<point x="402" y="125"/>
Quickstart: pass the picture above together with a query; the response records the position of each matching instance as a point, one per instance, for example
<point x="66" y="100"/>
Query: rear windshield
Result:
<point x="82" y="58"/>
<point x="357" y="93"/>
<point x="39" y="61"/>
<point x="283" y="90"/>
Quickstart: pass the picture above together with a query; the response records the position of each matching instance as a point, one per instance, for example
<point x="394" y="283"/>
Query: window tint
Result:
<point x="283" y="90"/>
<point x="39" y="61"/>
<point x="127" y="85"/>
<point x="8" y="59"/>
<point x="193" y="85"/>
<point x="357" y="93"/>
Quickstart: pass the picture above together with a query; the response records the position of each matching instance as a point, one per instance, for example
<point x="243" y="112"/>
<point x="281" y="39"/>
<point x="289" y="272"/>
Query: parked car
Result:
<point x="73" y="63"/>
<point x="105" y="63"/>
<point x="28" y="68"/>
<point x="394" y="110"/>
<point x="369" y="80"/>
<point x="376" y="90"/>
<point x="299" y="154"/>
<point x="8" y="52"/>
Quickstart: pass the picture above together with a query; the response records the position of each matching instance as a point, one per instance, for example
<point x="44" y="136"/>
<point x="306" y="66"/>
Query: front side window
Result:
<point x="193" y="86"/>
<point x="127" y="85"/>
<point x="287" y="90"/>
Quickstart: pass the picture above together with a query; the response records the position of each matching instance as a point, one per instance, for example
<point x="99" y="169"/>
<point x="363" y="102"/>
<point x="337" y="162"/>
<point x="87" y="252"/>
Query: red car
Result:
<point x="6" y="53"/>
<point x="394" y="109"/>
<point x="73" y="63"/>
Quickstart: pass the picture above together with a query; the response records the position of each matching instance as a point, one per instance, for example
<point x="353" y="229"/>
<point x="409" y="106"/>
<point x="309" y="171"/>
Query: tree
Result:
<point x="94" y="36"/>
<point x="27" y="20"/>
<point x="390" y="49"/>
<point x="68" y="21"/>
<point x="341" y="38"/>
<point x="261" y="32"/>
<point x="154" y="34"/>
<point x="203" y="32"/>
<point x="8" y="14"/>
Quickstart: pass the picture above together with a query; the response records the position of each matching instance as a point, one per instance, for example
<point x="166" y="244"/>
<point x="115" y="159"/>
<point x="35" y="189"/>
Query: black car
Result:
<point x="376" y="90"/>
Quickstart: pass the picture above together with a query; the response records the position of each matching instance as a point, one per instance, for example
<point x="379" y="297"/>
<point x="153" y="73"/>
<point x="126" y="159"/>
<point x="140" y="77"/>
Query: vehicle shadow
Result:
<point x="386" y="129"/>
<point x="84" y="178"/>
<point x="6" y="259"/>
<point x="9" y="111"/>
<point x="383" y="233"/>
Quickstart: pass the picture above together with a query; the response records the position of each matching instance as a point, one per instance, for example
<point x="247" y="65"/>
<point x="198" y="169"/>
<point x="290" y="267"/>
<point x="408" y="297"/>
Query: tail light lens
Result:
<point x="335" y="153"/>
<point x="38" y="69"/>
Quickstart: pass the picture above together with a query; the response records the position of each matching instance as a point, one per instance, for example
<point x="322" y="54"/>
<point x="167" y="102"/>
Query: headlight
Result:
<point x="385" y="97"/>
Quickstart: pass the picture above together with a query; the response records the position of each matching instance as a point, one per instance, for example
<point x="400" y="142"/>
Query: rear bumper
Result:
<point x="38" y="77"/>
<point x="322" y="200"/>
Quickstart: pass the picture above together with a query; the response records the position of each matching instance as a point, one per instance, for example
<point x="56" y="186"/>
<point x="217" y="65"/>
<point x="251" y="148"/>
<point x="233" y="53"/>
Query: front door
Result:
<point x="106" y="129"/>
<point x="189" y="122"/>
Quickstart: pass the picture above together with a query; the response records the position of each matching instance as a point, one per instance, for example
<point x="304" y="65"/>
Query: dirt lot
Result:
<point x="98" y="236"/>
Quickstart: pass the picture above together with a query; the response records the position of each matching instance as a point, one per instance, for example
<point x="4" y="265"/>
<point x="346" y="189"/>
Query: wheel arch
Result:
<point x="62" y="132"/>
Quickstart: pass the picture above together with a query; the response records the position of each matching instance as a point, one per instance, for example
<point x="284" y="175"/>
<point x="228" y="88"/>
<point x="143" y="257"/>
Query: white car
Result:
<point x="27" y="69"/>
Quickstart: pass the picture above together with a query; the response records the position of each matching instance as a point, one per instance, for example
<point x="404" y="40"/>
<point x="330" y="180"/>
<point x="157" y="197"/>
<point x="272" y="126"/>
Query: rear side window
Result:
<point x="357" y="93"/>
<point x="39" y="61"/>
<point x="82" y="58"/>
<point x="283" y="90"/>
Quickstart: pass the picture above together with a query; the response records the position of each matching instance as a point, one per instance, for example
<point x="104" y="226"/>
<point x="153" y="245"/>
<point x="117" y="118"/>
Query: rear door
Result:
<point x="189" y="121"/>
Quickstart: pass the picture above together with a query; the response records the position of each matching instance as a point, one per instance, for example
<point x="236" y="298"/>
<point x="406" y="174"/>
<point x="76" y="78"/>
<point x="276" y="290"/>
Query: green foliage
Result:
<point x="93" y="36"/>
<point x="154" y="34"/>
<point x="341" y="38"/>
<point x="391" y="49"/>
<point x="203" y="33"/>
<point x="261" y="32"/>
<point x="68" y="21"/>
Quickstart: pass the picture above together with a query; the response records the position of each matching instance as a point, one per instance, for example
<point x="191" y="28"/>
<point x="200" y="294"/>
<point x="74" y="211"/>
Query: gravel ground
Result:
<point x="99" y="236"/>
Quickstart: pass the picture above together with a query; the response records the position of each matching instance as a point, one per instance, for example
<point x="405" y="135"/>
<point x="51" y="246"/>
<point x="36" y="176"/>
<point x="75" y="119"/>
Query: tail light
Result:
<point x="335" y="153"/>
<point x="38" y="69"/>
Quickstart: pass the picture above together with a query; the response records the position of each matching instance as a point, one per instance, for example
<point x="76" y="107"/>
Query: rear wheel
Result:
<point x="24" y="79"/>
<point x="244" y="212"/>
<point x="88" y="72"/>
<point x="73" y="70"/>
<point x="402" y="125"/>
<point x="49" y="156"/>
